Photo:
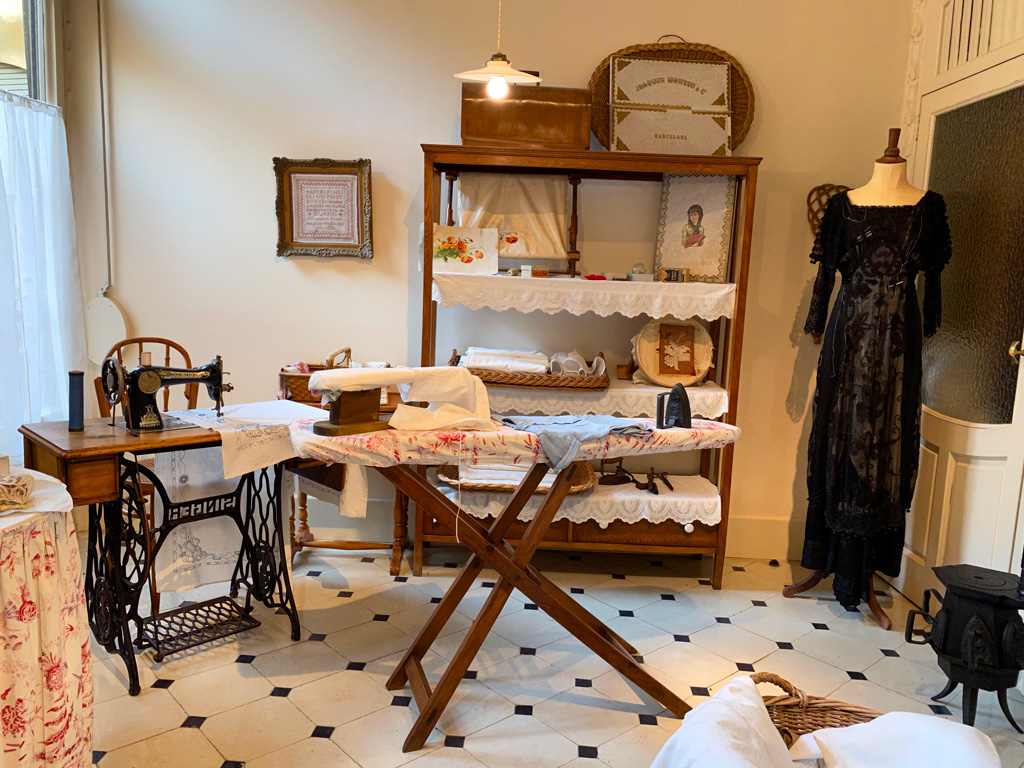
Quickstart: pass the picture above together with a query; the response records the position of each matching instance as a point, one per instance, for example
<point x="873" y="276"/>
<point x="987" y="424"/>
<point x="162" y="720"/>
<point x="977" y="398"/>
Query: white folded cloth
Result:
<point x="504" y="364"/>
<point x="903" y="739"/>
<point x="505" y="360"/>
<point x="501" y="474"/>
<point x="529" y="355"/>
<point x="730" y="730"/>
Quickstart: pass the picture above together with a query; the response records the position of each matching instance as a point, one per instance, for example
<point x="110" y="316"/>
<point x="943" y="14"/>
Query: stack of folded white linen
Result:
<point x="500" y="474"/>
<point x="505" y="360"/>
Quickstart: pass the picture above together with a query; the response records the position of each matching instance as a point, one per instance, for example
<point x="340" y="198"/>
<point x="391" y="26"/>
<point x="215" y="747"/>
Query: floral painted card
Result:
<point x="467" y="250"/>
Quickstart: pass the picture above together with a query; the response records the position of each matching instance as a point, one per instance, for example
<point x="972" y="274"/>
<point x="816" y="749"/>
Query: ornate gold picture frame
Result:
<point x="323" y="208"/>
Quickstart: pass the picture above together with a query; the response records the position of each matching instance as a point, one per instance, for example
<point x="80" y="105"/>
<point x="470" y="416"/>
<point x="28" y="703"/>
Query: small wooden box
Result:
<point x="530" y="116"/>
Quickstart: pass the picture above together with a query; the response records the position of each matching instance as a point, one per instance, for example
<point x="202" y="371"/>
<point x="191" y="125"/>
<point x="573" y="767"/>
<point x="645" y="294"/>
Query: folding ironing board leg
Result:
<point x="436" y="701"/>
<point x="464" y="581"/>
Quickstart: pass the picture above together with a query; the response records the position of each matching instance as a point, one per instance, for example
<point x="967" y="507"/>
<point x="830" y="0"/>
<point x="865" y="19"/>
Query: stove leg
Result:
<point x="970" y="702"/>
<point x="950" y="687"/>
<point x="1004" y="704"/>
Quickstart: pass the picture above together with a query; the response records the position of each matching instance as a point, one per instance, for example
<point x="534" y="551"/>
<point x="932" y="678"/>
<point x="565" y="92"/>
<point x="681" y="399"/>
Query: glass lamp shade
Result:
<point x="498" y="66"/>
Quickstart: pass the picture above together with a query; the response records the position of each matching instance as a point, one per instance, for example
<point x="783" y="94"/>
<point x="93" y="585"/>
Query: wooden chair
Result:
<point x="133" y="350"/>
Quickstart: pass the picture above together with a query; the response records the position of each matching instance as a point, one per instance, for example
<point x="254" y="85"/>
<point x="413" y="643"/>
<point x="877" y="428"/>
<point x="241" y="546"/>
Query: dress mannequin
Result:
<point x="887" y="187"/>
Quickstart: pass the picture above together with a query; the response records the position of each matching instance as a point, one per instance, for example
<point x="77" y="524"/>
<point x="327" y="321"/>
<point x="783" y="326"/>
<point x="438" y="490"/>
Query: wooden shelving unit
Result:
<point x="444" y="163"/>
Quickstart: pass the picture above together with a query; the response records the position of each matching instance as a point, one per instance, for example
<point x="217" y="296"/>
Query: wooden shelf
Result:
<point x="578" y="296"/>
<point x="692" y="500"/>
<point x="622" y="398"/>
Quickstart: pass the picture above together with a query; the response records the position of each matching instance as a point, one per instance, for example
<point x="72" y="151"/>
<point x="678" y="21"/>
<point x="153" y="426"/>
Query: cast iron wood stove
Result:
<point x="977" y="633"/>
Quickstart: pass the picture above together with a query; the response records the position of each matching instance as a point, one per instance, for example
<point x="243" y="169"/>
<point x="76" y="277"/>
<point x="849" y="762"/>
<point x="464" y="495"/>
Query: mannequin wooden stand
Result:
<point x="816" y="576"/>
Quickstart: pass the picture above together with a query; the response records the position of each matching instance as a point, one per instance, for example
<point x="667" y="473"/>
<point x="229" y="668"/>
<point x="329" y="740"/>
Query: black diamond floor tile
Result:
<point x="313" y="573"/>
<point x="193" y="722"/>
<point x="281" y="692"/>
<point x="323" y="732"/>
<point x="401" y="701"/>
<point x="819" y="625"/>
<point x="588" y="751"/>
<point x="524" y="709"/>
<point x="162" y="683"/>
<point x="626" y="614"/>
<point x="742" y="667"/>
<point x="455" y="741"/>
<point x="889" y="652"/>
<point x="527" y="651"/>
<point x="723" y="619"/>
<point x="470" y="674"/>
<point x="97" y="756"/>
<point x="244" y="659"/>
<point x="856" y="675"/>
<point x="575" y="591"/>
<point x="681" y="638"/>
<point x="355" y="666"/>
<point x="760" y="603"/>
<point x="699" y="691"/>
<point x="668" y="597"/>
<point x="939" y="709"/>
<point x="381" y="617"/>
<point x="317" y="638"/>
<point x="344" y="594"/>
<point x="582" y="682"/>
<point x="648" y="720"/>
<point x="785" y="646"/>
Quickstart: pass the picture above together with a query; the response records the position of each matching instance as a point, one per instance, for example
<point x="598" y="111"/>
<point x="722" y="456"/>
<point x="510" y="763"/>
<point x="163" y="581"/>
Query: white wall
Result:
<point x="203" y="94"/>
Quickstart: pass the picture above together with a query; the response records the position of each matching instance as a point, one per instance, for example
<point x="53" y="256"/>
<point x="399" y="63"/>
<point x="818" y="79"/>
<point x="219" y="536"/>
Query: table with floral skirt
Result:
<point x="46" y="695"/>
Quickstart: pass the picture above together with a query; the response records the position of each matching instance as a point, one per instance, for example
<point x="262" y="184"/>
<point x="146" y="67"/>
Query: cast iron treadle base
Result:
<point x="193" y="625"/>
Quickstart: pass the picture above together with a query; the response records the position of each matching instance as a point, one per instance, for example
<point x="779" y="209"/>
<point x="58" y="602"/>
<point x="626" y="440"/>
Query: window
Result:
<point x="23" y="48"/>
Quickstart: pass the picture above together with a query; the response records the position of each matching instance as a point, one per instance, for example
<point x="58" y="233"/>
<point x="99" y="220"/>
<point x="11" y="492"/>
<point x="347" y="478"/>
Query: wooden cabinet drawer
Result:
<point x="557" y="532"/>
<point x="641" y="534"/>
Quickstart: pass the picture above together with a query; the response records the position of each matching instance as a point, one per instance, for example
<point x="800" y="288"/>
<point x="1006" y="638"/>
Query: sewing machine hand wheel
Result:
<point x="113" y="380"/>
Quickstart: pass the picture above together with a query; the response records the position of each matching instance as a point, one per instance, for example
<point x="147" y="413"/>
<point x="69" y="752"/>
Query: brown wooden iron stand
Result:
<point x="490" y="548"/>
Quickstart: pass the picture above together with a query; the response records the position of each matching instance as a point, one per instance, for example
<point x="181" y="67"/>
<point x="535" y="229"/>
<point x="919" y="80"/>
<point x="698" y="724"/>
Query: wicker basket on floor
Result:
<point x="796" y="713"/>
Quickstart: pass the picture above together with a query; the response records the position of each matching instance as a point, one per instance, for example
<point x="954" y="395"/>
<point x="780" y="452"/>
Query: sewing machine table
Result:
<point x="93" y="465"/>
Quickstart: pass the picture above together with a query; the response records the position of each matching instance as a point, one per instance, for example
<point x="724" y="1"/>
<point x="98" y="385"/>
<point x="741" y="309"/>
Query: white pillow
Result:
<point x="907" y="740"/>
<point x="730" y="730"/>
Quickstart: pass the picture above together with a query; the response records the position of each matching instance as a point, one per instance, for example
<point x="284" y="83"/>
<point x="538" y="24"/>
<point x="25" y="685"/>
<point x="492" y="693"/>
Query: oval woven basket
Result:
<point x="585" y="480"/>
<point x="795" y="713"/>
<point x="538" y="380"/>
<point x="741" y="92"/>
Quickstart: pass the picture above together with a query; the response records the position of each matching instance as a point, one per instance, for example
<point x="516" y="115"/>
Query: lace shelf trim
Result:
<point x="622" y="398"/>
<point x="708" y="301"/>
<point x="693" y="500"/>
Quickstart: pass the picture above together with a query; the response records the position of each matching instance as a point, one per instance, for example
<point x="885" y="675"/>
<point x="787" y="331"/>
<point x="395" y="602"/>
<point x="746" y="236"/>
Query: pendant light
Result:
<point x="497" y="72"/>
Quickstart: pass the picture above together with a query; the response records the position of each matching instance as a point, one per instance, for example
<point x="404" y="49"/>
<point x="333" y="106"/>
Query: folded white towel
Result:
<point x="532" y="355"/>
<point x="504" y="364"/>
<point x="501" y="474"/>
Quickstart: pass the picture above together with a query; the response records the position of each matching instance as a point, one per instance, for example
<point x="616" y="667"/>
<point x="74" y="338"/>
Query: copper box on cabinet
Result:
<point x="530" y="116"/>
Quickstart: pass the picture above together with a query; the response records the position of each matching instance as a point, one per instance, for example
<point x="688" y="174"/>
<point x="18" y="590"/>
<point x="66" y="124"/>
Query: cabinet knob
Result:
<point x="688" y="527"/>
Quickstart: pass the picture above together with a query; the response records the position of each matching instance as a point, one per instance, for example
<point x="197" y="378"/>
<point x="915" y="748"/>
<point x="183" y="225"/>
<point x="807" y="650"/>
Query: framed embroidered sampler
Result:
<point x="323" y="208"/>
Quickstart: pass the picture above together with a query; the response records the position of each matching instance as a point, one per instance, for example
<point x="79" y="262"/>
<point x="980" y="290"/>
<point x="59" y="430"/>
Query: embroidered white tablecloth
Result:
<point x="46" y="696"/>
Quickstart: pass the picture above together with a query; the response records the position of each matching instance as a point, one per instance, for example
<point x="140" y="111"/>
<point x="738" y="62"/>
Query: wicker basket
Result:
<point x="295" y="386"/>
<point x="741" y="92"/>
<point x="585" y="480"/>
<point x="538" y="380"/>
<point x="796" y="713"/>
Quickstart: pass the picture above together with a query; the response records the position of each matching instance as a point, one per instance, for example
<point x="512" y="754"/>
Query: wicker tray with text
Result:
<point x="538" y="380"/>
<point x="586" y="479"/>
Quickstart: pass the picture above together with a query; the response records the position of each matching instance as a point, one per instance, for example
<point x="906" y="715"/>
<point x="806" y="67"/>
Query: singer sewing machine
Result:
<point x="137" y="390"/>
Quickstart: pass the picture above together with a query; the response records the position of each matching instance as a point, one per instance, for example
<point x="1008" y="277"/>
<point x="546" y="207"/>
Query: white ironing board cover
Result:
<point x="503" y="445"/>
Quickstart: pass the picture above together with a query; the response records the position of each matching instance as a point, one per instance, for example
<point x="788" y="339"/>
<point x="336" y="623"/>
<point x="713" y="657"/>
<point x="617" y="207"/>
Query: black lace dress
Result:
<point x="865" y="434"/>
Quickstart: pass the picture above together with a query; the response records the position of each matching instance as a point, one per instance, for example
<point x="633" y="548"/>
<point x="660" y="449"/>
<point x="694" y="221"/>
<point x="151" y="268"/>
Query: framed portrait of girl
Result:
<point x="695" y="225"/>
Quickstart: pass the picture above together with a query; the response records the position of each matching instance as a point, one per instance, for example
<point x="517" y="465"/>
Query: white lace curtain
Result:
<point x="42" y="323"/>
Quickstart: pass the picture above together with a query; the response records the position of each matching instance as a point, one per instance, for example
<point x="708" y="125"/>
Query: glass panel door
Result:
<point x="977" y="164"/>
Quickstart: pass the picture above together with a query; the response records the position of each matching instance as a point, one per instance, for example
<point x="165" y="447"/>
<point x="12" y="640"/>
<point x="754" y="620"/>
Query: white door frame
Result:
<point x="966" y="468"/>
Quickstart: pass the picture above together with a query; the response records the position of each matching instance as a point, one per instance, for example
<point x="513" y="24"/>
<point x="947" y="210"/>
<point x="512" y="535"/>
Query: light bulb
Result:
<point x="497" y="87"/>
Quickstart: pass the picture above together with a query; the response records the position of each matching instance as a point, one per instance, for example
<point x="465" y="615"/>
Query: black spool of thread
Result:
<point x="76" y="401"/>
